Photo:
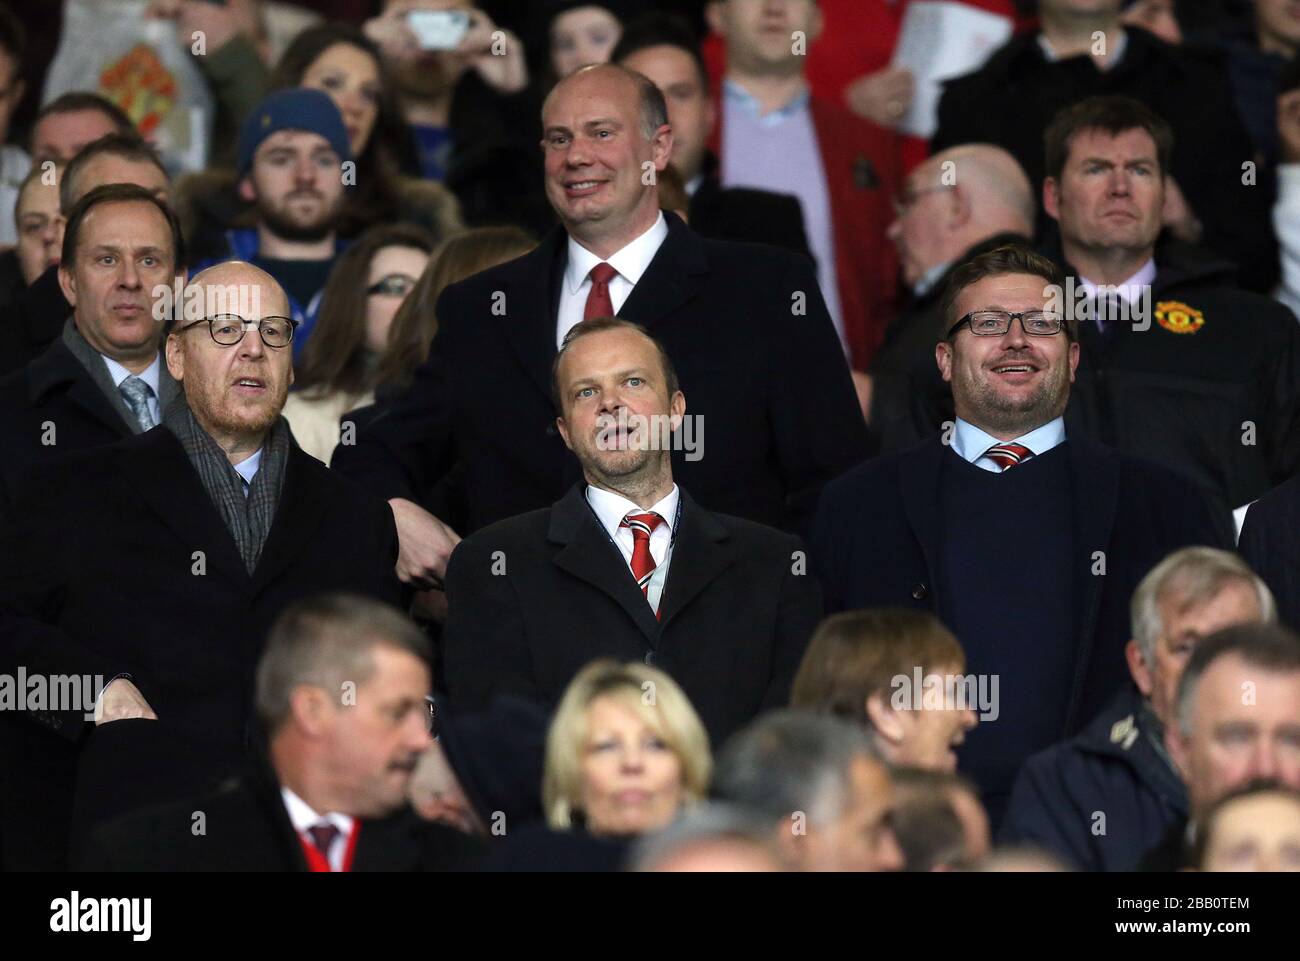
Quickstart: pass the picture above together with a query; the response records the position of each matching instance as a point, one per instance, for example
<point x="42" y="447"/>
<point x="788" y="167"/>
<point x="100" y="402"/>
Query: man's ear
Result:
<point x="1052" y="198"/>
<point x="1075" y="352"/>
<point x="68" y="284"/>
<point x="661" y="146"/>
<point x="310" y="708"/>
<point x="246" y="191"/>
<point x="677" y="409"/>
<point x="943" y="357"/>
<point x="1138" y="668"/>
<point x="885" y="722"/>
<point x="961" y="209"/>
<point x="563" y="428"/>
<point x="174" y="352"/>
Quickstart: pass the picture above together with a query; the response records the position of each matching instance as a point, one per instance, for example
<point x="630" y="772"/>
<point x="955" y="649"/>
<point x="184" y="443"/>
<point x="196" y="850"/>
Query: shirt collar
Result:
<point x="630" y="261"/>
<point x="969" y="442"/>
<point x="925" y="283"/>
<point x="737" y="96"/>
<point x="247" y="468"/>
<point x="611" y="508"/>
<point x="1111" y="62"/>
<point x="149" y="375"/>
<point x="303" y="816"/>
<point x="1131" y="289"/>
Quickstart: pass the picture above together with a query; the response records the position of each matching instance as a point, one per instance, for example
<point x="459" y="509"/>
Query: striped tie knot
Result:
<point x="1007" y="456"/>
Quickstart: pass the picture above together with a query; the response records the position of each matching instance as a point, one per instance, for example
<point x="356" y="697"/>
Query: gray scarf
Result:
<point x="93" y="361"/>
<point x="247" y="518"/>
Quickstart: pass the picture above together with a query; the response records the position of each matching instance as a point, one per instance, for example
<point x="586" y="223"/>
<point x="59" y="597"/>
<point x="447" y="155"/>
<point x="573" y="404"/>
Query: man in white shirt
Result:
<point x="627" y="565"/>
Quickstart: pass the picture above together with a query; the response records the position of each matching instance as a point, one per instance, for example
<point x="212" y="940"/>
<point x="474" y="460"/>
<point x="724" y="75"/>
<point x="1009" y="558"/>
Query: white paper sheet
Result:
<point x="941" y="39"/>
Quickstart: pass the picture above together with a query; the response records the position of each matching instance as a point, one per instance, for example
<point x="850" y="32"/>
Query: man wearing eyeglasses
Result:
<point x="156" y="565"/>
<point x="1026" y="543"/>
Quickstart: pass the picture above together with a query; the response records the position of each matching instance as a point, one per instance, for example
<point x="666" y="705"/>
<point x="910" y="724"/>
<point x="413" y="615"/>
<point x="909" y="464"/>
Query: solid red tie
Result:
<point x="598" y="302"/>
<point x="643" y="563"/>
<point x="1007" y="456"/>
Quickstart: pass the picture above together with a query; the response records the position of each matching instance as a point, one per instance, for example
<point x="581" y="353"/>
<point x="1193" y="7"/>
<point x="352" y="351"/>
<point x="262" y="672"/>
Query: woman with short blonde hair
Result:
<point x="625" y="752"/>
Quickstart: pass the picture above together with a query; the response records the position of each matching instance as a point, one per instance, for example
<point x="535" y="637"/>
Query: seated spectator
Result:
<point x="583" y="32"/>
<point x="337" y="373"/>
<point x="330" y="794"/>
<point x="1118" y="766"/>
<point x="220" y="491"/>
<point x="827" y="800"/>
<point x="914" y="529"/>
<point x="954" y="206"/>
<point x="664" y="49"/>
<point x="40" y="232"/>
<point x="938" y="820"/>
<point x="853" y="668"/>
<point x="712" y="838"/>
<point x="471" y="110"/>
<point x="590" y="576"/>
<point x="291" y="155"/>
<point x="844" y="170"/>
<point x="40" y="312"/>
<point x="625" y="754"/>
<point x="1012" y="99"/>
<point x="1177" y="364"/>
<point x="1237" y="718"/>
<point x="1255" y="828"/>
<point x="71" y="121"/>
<point x="14" y="162"/>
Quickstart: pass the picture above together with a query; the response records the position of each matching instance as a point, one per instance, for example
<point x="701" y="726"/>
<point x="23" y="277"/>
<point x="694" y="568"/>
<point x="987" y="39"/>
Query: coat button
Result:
<point x="650" y="658"/>
<point x="919" y="592"/>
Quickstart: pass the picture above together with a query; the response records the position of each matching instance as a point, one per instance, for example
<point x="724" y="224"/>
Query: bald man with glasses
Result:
<point x="155" y="566"/>
<point x="1027" y="543"/>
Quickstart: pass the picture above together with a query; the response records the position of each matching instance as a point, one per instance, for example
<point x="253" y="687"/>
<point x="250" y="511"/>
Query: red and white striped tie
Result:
<point x="1007" y="456"/>
<point x="643" y="563"/>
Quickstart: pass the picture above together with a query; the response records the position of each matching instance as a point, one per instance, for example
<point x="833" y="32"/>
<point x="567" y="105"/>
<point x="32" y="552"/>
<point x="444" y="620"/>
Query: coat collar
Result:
<point x="699" y="556"/>
<point x="57" y="370"/>
<point x="159" y="471"/>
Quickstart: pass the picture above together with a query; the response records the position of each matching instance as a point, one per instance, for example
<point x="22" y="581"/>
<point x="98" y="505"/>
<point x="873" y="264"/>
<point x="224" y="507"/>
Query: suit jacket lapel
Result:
<point x="700" y="554"/>
<point x="159" y="471"/>
<point x="56" y="367"/>
<point x="919" y="475"/>
<point x="675" y="276"/>
<point x="1094" y="479"/>
<point x="531" y="298"/>
<point x="586" y="553"/>
<point x="296" y="516"/>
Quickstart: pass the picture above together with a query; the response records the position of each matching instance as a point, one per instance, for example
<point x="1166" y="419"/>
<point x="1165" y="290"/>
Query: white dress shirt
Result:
<point x="247" y="468"/>
<point x="149" y="375"/>
<point x="969" y="442"/>
<point x="611" y="508"/>
<point x="631" y="262"/>
<point x="303" y="817"/>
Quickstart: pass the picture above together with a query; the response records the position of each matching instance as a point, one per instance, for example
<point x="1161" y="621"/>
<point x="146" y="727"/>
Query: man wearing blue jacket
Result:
<point x="1103" y="798"/>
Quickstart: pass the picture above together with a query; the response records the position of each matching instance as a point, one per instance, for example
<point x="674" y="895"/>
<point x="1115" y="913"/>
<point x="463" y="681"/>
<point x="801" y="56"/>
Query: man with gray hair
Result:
<point x="342" y="695"/>
<point x="955" y="205"/>
<point x="713" y="838"/>
<point x="1104" y="797"/>
<point x="828" y="801"/>
<point x="1237" y="719"/>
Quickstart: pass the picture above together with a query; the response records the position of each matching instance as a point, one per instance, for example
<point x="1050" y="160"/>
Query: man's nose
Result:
<point x="305" y="171"/>
<point x="969" y="719"/>
<point x="1015" y="335"/>
<point x="250" y="345"/>
<point x="1120" y="185"/>
<point x="1266" y="764"/>
<point x="130" y="275"/>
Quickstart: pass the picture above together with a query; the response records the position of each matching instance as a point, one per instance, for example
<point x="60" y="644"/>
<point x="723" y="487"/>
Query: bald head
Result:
<point x="236" y="287"/>
<point x="957" y="199"/>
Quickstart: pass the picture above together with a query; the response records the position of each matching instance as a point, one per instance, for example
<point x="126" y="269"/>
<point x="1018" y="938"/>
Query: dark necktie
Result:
<point x="323" y="836"/>
<point x="598" y="302"/>
<point x="1007" y="456"/>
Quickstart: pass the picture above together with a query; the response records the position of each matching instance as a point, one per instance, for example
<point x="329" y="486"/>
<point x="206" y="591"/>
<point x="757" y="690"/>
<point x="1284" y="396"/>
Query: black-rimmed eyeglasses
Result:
<point x="996" y="323"/>
<point x="229" y="329"/>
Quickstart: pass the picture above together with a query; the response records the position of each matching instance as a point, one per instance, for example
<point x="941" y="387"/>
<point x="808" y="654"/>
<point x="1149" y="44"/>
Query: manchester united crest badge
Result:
<point x="1176" y="317"/>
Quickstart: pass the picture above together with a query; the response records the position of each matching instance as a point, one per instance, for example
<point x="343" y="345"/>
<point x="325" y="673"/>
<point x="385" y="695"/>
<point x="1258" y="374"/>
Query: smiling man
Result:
<point x="535" y="598"/>
<point x="1026" y="543"/>
<point x="157" y="564"/>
